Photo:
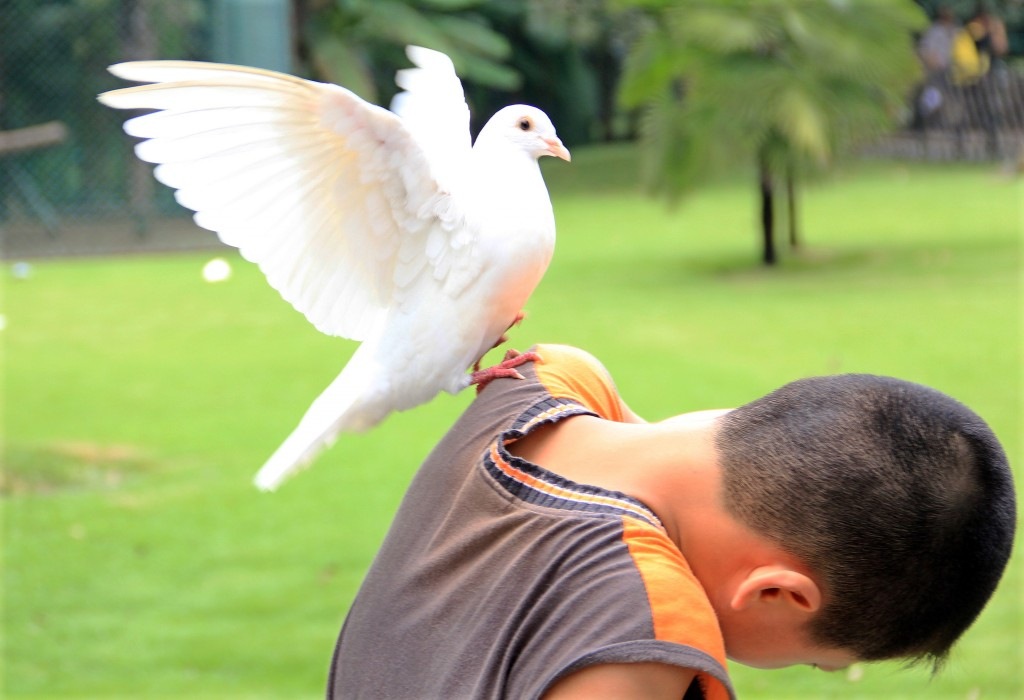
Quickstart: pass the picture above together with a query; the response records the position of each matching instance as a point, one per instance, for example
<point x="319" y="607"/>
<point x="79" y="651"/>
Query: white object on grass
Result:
<point x="216" y="270"/>
<point x="21" y="270"/>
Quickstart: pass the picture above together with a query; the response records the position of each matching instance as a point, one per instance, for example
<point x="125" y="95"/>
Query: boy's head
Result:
<point x="898" y="498"/>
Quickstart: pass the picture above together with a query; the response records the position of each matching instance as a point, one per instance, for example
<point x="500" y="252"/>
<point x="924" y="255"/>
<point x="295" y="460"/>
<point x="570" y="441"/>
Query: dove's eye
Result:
<point x="525" y="124"/>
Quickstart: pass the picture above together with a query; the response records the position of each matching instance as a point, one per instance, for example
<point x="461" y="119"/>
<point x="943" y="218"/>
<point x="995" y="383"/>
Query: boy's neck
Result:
<point x="670" y="466"/>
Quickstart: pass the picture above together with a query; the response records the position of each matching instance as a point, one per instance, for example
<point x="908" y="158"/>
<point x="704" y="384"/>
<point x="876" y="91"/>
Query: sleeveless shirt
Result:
<point x="497" y="577"/>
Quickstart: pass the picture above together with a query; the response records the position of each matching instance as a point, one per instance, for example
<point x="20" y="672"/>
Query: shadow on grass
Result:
<point x="810" y="263"/>
<point x="70" y="466"/>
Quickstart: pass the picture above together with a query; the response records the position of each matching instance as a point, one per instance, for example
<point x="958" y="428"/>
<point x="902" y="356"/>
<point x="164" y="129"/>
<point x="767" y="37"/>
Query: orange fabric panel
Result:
<point x="568" y="372"/>
<point x="680" y="608"/>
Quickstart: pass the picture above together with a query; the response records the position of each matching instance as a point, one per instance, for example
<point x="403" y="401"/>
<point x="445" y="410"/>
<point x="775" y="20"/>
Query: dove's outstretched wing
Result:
<point x="341" y="204"/>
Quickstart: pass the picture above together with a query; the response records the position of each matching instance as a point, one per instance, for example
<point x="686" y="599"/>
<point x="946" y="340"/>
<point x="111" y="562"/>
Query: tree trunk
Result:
<point x="794" y="236"/>
<point x="609" y="68"/>
<point x="139" y="42"/>
<point x="768" y="256"/>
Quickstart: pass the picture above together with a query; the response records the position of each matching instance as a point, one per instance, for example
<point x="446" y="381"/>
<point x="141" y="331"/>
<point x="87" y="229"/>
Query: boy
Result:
<point x="555" y="545"/>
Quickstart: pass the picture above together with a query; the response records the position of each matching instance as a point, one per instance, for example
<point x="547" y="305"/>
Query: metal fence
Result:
<point x="979" y="120"/>
<point x="69" y="181"/>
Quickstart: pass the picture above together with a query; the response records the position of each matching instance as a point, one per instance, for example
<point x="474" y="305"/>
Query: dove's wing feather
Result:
<point x="185" y="71"/>
<point x="331" y="196"/>
<point x="433" y="107"/>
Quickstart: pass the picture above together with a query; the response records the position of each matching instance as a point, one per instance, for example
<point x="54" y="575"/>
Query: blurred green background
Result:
<point x="139" y="399"/>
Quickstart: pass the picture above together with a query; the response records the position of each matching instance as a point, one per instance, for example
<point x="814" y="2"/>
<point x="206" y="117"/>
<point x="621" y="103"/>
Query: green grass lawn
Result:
<point x="138" y="560"/>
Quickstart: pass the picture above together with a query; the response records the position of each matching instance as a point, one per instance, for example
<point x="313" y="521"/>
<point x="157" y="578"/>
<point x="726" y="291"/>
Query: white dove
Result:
<point x="386" y="227"/>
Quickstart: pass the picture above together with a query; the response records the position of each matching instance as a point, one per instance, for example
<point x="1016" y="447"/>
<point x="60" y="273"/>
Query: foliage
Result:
<point x="140" y="562"/>
<point x="357" y="43"/>
<point x="563" y="56"/>
<point x="588" y="39"/>
<point x="788" y="83"/>
<point x="554" y="70"/>
<point x="809" y="80"/>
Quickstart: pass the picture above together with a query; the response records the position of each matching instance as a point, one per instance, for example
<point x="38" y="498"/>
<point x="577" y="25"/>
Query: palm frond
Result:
<point x="813" y="77"/>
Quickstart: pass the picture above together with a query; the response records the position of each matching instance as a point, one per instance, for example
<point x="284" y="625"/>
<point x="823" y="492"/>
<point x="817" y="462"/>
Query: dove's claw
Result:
<point x="514" y="358"/>
<point x="506" y="369"/>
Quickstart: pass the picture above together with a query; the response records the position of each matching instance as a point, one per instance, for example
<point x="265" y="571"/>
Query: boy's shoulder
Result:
<point x="568" y="372"/>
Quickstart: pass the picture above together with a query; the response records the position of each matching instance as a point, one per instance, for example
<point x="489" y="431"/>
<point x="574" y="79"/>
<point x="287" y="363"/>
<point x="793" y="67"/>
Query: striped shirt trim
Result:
<point x="532" y="484"/>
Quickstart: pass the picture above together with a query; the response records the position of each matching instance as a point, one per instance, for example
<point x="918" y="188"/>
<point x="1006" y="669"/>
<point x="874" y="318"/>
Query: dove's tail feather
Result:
<point x="338" y="409"/>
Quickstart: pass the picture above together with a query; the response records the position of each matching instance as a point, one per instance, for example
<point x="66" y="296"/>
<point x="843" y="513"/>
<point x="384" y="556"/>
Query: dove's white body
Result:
<point x="387" y="230"/>
<point x="424" y="345"/>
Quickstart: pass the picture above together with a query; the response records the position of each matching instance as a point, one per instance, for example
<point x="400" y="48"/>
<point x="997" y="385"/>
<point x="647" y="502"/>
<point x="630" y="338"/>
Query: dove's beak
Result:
<point x="555" y="148"/>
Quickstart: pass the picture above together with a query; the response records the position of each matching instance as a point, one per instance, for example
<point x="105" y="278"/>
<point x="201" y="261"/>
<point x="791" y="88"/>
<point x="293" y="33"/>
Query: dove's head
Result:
<point x="525" y="127"/>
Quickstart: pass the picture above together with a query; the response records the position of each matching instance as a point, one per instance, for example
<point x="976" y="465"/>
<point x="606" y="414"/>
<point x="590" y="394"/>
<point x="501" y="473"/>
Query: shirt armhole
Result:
<point x="712" y="679"/>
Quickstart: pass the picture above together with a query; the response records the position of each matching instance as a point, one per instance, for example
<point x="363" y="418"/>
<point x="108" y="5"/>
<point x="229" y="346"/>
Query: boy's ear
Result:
<point x="777" y="585"/>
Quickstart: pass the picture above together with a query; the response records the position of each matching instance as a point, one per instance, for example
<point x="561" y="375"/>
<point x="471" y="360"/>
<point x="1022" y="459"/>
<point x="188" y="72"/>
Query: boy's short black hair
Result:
<point x="899" y="497"/>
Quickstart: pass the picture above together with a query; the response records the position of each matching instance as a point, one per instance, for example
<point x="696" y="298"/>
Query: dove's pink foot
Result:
<point x="506" y="368"/>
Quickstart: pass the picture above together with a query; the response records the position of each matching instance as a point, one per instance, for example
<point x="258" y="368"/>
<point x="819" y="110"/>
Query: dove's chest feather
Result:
<point x="513" y="218"/>
<point x="515" y="252"/>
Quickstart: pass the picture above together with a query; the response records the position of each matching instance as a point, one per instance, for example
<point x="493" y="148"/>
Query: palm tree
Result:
<point x="789" y="84"/>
